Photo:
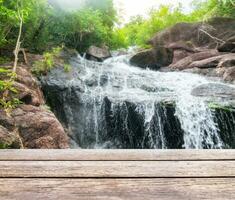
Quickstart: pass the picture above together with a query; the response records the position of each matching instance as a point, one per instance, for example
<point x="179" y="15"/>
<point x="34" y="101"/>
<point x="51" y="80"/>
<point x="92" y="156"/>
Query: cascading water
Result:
<point x="115" y="105"/>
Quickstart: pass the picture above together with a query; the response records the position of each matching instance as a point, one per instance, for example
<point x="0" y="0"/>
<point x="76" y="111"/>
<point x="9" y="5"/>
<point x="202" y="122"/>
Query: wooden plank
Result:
<point x="77" y="155"/>
<point x="80" y="169"/>
<point x="117" y="189"/>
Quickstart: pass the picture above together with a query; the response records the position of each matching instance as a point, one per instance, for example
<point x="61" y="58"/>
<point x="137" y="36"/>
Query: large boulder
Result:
<point x="214" y="90"/>
<point x="153" y="58"/>
<point x="204" y="47"/>
<point x="30" y="125"/>
<point x="98" y="54"/>
<point x="197" y="35"/>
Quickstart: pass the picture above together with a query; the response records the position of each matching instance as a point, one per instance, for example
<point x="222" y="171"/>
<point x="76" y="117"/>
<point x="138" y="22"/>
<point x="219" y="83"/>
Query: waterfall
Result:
<point x="116" y="105"/>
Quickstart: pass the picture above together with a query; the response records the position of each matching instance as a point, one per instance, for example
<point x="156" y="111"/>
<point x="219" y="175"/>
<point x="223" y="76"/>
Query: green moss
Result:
<point x="67" y="68"/>
<point x="8" y="101"/>
<point x="168" y="103"/>
<point x="4" y="146"/>
<point x="216" y="106"/>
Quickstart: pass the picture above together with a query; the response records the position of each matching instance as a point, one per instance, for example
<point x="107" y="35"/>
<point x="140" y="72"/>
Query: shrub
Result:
<point x="8" y="101"/>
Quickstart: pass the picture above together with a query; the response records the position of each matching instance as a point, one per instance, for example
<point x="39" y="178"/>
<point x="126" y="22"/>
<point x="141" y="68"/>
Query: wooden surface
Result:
<point x="117" y="174"/>
<point x="120" y="155"/>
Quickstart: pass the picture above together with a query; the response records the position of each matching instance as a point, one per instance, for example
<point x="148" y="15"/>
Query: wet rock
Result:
<point x="215" y="90"/>
<point x="224" y="118"/>
<point x="153" y="59"/>
<point x="98" y="54"/>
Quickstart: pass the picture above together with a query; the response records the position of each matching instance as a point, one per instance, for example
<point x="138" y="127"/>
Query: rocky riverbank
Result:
<point x="206" y="48"/>
<point x="30" y="125"/>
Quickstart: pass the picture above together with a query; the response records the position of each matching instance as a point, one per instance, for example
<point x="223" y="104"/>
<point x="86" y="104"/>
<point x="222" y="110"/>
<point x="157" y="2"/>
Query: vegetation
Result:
<point x="50" y="60"/>
<point x="48" y="25"/>
<point x="215" y="106"/>
<point x="7" y="90"/>
<point x="139" y="30"/>
<point x="11" y="12"/>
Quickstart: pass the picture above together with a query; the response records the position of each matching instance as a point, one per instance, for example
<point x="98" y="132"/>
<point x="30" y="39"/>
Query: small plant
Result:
<point x="214" y="106"/>
<point x="4" y="146"/>
<point x="43" y="66"/>
<point x="49" y="61"/>
<point x="7" y="90"/>
<point x="67" y="68"/>
<point x="46" y="107"/>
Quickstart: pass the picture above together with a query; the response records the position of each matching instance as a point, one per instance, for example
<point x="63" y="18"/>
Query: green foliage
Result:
<point x="139" y="30"/>
<point x="4" y="146"/>
<point x="42" y="67"/>
<point x="67" y="68"/>
<point x="213" y="8"/>
<point x="8" y="105"/>
<point x="9" y="18"/>
<point x="47" y="26"/>
<point x="215" y="106"/>
<point x="50" y="26"/>
<point x="50" y="60"/>
<point x="7" y="90"/>
<point x="4" y="60"/>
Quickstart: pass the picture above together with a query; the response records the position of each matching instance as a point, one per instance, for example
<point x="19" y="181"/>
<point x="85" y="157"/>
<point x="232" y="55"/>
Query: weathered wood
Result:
<point x="116" y="189"/>
<point x="131" y="155"/>
<point x="94" y="169"/>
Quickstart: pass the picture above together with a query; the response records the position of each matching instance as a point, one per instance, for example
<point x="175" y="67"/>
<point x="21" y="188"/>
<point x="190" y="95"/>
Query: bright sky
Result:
<point x="141" y="7"/>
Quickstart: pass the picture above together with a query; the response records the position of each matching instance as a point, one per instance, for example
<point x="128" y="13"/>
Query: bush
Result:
<point x="50" y="60"/>
<point x="7" y="90"/>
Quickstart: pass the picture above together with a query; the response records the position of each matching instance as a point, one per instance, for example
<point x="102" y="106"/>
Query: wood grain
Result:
<point x="130" y="155"/>
<point x="117" y="189"/>
<point x="94" y="169"/>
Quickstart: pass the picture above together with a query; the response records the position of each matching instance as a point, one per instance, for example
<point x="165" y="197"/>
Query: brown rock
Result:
<point x="189" y="61"/>
<point x="39" y="128"/>
<point x="197" y="34"/>
<point x="179" y="54"/>
<point x="226" y="60"/>
<point x="30" y="125"/>
<point x="8" y="139"/>
<point x="97" y="53"/>
<point x="29" y="91"/>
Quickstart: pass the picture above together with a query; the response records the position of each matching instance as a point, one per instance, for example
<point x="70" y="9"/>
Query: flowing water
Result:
<point x="122" y="106"/>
